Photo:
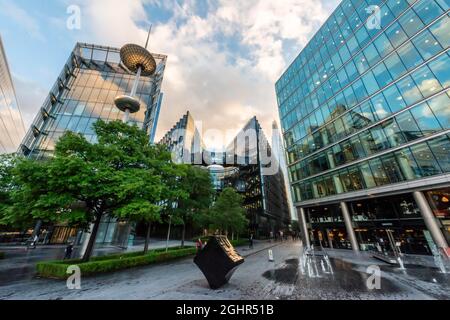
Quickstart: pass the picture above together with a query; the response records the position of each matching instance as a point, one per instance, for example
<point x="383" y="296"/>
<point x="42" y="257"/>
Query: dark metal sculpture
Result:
<point x="218" y="260"/>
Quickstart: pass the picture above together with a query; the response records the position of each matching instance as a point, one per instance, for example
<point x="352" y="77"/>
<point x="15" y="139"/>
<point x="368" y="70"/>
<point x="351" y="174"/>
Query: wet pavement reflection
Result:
<point x="320" y="277"/>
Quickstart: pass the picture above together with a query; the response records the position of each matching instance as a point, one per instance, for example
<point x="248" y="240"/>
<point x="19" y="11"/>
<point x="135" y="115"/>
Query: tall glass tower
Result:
<point x="365" y="111"/>
<point x="85" y="91"/>
<point x="12" y="129"/>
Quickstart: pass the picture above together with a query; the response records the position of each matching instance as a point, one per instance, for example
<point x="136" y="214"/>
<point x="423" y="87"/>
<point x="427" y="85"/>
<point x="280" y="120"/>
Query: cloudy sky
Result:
<point x="224" y="55"/>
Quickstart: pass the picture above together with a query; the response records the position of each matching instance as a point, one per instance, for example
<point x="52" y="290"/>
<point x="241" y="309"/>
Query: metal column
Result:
<point x="304" y="227"/>
<point x="430" y="221"/>
<point x="349" y="227"/>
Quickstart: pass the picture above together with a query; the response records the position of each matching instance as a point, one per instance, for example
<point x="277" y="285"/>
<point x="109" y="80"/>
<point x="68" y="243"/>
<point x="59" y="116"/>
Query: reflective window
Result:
<point x="440" y="31"/>
<point x="427" y="10"/>
<point x="427" y="44"/>
<point x="410" y="56"/>
<point x="395" y="65"/>
<point x="409" y="91"/>
<point x="408" y="126"/>
<point x="427" y="164"/>
<point x="379" y="176"/>
<point x="440" y="106"/>
<point x="441" y="150"/>
<point x="370" y="83"/>
<point x="426" y="120"/>
<point x="394" y="99"/>
<point x="392" y="169"/>
<point x="426" y="81"/>
<point x="440" y="70"/>
<point x="411" y="23"/>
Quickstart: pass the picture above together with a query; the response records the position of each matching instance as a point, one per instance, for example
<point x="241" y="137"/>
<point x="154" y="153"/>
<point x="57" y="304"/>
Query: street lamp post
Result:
<point x="139" y="60"/>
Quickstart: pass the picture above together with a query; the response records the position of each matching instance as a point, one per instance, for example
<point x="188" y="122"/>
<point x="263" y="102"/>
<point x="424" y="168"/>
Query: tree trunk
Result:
<point x="183" y="235"/>
<point x="168" y="234"/>
<point x="232" y="236"/>
<point x="147" y="238"/>
<point x="90" y="247"/>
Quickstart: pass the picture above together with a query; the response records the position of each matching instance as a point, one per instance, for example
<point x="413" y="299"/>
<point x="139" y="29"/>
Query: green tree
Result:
<point x="83" y="182"/>
<point x="197" y="184"/>
<point x="227" y="213"/>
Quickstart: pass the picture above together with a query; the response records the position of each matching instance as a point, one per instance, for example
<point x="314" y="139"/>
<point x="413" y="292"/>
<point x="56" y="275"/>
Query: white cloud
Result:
<point x="22" y="18"/>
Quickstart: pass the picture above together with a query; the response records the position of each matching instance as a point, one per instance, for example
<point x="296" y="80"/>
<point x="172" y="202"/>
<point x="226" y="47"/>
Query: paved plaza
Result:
<point x="288" y="277"/>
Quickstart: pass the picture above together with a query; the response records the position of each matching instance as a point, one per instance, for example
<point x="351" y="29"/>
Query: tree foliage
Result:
<point x="227" y="213"/>
<point x="121" y="176"/>
<point x="197" y="185"/>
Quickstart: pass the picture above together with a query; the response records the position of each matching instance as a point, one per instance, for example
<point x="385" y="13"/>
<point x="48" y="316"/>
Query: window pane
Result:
<point x="395" y="66"/>
<point x="427" y="45"/>
<point x="426" y="81"/>
<point x="381" y="106"/>
<point x="396" y="34"/>
<point x="441" y="150"/>
<point x="427" y="10"/>
<point x="441" y="108"/>
<point x="392" y="169"/>
<point x="394" y="99"/>
<point x="411" y="23"/>
<point x="370" y="83"/>
<point x="382" y="75"/>
<point x="379" y="138"/>
<point x="407" y="164"/>
<point x="379" y="175"/>
<point x="428" y="165"/>
<point x="440" y="31"/>
<point x="440" y="70"/>
<point x="425" y="119"/>
<point x="409" y="91"/>
<point x="410" y="56"/>
<point x="408" y="126"/>
<point x="393" y="132"/>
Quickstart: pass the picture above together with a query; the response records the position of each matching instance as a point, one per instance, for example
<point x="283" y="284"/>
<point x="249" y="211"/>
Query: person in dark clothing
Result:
<point x="250" y="241"/>
<point x="68" y="252"/>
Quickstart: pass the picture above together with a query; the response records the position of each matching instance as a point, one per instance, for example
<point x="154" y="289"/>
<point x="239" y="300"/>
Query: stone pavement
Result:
<point x="257" y="278"/>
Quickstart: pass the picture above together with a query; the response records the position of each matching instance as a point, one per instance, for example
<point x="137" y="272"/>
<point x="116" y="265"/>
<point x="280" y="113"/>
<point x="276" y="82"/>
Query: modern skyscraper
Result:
<point x="12" y="129"/>
<point x="184" y="141"/>
<point x="260" y="180"/>
<point x="85" y="91"/>
<point x="365" y="115"/>
<point x="246" y="166"/>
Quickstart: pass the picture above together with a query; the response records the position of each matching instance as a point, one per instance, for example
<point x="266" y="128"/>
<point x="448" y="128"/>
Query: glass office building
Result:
<point x="264" y="190"/>
<point x="83" y="93"/>
<point x="12" y="129"/>
<point x="241" y="166"/>
<point x="365" y="111"/>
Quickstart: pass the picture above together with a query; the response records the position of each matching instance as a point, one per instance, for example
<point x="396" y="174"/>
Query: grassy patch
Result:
<point x="111" y="263"/>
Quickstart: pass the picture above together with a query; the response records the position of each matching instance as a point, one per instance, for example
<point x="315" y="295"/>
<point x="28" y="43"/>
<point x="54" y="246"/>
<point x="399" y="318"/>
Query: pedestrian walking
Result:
<point x="250" y="241"/>
<point x="68" y="252"/>
<point x="199" y="245"/>
<point x="33" y="242"/>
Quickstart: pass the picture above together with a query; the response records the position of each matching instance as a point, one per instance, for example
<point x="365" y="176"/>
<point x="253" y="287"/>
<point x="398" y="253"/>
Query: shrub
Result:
<point x="111" y="263"/>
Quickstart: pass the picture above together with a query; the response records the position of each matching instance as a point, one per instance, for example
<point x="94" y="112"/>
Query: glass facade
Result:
<point x="12" y="129"/>
<point x="363" y="108"/>
<point x="84" y="92"/>
<point x="265" y="195"/>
